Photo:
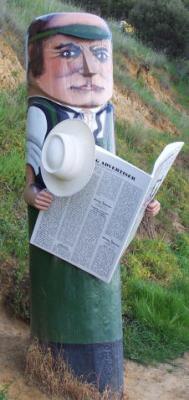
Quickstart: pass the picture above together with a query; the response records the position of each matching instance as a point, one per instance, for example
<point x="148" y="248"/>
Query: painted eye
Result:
<point x="101" y="54"/>
<point x="68" y="54"/>
<point x="69" y="50"/>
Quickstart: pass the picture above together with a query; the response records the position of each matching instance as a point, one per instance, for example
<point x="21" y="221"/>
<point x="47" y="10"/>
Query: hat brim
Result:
<point x="61" y="187"/>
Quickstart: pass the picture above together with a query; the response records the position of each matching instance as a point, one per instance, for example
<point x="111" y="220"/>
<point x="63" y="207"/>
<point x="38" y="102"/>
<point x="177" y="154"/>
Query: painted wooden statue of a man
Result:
<point x="70" y="76"/>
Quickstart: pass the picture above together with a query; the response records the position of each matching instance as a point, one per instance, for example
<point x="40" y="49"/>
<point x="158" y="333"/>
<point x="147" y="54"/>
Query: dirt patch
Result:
<point x="11" y="71"/>
<point x="14" y="341"/>
<point x="161" y="91"/>
<point x="166" y="382"/>
<point x="128" y="107"/>
<point x="177" y="225"/>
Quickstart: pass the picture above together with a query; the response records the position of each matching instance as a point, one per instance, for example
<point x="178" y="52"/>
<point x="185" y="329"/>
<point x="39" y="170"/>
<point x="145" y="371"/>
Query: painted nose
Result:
<point x="89" y="65"/>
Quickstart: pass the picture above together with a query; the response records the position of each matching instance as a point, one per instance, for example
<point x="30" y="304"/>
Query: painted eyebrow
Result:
<point x="62" y="46"/>
<point x="93" y="48"/>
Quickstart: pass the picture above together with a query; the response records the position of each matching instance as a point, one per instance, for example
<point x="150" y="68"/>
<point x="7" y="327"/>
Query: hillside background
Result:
<point x="151" y="99"/>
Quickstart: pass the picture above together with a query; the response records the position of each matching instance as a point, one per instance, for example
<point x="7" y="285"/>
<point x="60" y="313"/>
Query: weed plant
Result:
<point x="54" y="376"/>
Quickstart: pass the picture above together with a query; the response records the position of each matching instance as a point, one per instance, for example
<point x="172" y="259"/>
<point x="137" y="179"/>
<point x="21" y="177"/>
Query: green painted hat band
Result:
<point x="90" y="32"/>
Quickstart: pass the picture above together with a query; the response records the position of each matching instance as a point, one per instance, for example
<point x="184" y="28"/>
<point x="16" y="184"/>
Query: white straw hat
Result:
<point x="68" y="157"/>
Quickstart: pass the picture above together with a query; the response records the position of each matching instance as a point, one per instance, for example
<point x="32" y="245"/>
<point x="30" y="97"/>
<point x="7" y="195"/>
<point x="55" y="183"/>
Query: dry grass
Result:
<point x="55" y="378"/>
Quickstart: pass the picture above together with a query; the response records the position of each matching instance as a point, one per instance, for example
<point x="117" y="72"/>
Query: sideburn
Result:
<point x="36" y="61"/>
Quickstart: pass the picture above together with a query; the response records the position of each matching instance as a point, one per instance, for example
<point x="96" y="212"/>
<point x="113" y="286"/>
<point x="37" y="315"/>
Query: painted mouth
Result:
<point x="87" y="88"/>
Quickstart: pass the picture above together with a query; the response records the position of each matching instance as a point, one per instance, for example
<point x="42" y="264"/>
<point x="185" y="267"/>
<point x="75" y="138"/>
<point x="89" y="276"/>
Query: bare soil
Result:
<point x="164" y="382"/>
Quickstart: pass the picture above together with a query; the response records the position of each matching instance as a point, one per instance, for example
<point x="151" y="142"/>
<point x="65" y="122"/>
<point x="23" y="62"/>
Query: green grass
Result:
<point x="142" y="146"/>
<point x="145" y="345"/>
<point x="172" y="198"/>
<point x="164" y="314"/>
<point x="155" y="273"/>
<point x="3" y="392"/>
<point x="139" y="145"/>
<point x="12" y="170"/>
<point x="155" y="300"/>
<point x="152" y="260"/>
<point x="22" y="12"/>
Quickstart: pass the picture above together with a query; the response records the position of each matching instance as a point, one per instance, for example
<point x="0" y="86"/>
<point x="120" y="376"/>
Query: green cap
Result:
<point x="90" y="32"/>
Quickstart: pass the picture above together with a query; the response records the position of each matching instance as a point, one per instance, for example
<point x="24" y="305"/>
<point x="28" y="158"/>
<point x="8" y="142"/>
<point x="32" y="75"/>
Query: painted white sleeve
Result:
<point x="36" y="129"/>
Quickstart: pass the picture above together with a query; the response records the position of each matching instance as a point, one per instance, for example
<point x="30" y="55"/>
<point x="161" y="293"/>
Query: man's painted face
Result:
<point x="77" y="72"/>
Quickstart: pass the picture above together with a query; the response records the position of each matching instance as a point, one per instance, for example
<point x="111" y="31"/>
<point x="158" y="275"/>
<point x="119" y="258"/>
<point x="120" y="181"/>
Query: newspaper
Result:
<point x="93" y="228"/>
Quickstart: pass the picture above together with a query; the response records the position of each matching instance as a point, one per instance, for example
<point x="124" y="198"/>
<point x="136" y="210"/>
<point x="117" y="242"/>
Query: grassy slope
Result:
<point x="155" y="273"/>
